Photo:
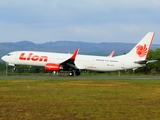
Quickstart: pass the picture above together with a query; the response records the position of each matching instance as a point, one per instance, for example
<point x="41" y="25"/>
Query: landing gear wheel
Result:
<point x="71" y="73"/>
<point x="14" y="69"/>
<point x="77" y="73"/>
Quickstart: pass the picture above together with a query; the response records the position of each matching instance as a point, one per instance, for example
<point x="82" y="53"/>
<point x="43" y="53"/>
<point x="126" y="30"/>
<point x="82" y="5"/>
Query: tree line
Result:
<point x="151" y="68"/>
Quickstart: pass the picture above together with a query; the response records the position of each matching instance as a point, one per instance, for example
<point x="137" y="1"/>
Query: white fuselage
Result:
<point x="88" y="62"/>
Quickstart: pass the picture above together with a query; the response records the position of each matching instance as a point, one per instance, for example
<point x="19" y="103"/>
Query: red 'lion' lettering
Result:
<point x="32" y="57"/>
<point x="35" y="58"/>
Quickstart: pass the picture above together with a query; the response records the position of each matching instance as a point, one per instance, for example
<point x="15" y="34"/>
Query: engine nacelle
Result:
<point x="52" y="67"/>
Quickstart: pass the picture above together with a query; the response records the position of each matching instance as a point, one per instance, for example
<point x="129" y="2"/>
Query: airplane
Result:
<point x="75" y="63"/>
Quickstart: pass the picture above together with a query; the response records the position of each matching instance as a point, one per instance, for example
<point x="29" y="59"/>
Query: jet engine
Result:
<point x="52" y="67"/>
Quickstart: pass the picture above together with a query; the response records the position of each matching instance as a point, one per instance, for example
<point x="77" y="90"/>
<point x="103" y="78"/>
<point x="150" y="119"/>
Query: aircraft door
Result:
<point x="123" y="64"/>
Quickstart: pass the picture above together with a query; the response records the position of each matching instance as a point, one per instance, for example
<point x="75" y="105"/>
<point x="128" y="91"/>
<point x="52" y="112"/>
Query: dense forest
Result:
<point x="151" y="68"/>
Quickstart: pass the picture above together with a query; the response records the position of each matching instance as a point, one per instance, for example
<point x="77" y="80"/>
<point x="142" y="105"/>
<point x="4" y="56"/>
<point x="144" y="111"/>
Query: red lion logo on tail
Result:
<point x="141" y="50"/>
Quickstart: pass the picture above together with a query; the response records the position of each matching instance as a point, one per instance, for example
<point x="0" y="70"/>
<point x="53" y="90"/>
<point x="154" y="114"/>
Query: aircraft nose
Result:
<point x="4" y="58"/>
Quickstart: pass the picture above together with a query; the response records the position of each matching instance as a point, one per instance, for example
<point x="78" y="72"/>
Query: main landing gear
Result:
<point x="77" y="73"/>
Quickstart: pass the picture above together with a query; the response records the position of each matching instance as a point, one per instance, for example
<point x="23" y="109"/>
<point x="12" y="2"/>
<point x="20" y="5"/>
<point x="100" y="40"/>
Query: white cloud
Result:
<point x="84" y="20"/>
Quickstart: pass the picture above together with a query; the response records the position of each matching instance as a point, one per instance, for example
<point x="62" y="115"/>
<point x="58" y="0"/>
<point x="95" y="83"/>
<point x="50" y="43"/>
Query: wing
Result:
<point x="69" y="64"/>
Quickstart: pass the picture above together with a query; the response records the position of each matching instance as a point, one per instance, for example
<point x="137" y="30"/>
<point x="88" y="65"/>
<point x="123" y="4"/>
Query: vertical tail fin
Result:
<point x="140" y="51"/>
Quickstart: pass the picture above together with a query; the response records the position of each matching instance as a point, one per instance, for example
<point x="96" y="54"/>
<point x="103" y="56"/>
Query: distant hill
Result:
<point x="70" y="46"/>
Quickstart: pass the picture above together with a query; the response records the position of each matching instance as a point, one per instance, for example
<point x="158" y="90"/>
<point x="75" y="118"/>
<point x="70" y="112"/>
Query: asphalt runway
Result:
<point x="85" y="77"/>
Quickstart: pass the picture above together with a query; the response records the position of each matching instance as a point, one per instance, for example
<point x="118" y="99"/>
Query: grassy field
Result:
<point x="52" y="99"/>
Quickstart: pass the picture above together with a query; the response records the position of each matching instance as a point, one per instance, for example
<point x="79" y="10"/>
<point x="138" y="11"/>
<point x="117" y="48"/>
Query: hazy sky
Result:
<point x="79" y="20"/>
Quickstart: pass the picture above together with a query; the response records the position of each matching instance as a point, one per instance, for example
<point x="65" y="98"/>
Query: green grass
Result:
<point x="51" y="99"/>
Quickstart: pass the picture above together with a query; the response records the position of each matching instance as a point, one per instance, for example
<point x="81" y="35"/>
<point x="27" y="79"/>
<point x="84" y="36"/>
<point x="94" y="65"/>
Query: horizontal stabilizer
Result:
<point x="145" y="61"/>
<point x="141" y="62"/>
<point x="150" y="61"/>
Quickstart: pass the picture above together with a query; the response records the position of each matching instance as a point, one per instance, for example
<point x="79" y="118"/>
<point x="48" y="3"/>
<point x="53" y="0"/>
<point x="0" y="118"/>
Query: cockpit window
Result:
<point x="9" y="54"/>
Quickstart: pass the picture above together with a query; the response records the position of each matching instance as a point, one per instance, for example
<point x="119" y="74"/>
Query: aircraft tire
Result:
<point x="77" y="73"/>
<point x="71" y="73"/>
<point x="14" y="69"/>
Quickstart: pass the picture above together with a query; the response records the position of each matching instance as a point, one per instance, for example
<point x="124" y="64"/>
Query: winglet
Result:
<point x="112" y="53"/>
<point x="74" y="54"/>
